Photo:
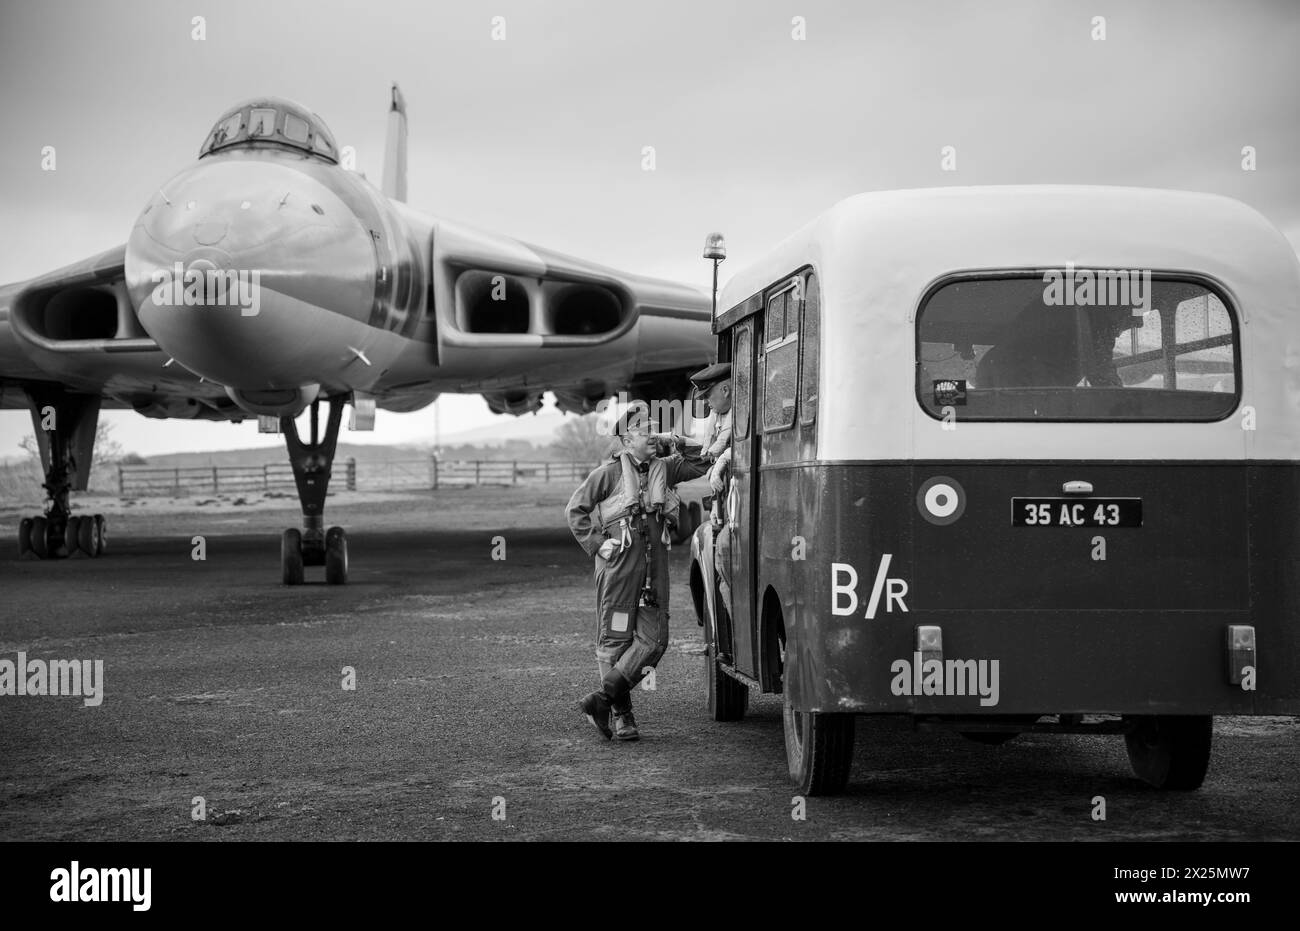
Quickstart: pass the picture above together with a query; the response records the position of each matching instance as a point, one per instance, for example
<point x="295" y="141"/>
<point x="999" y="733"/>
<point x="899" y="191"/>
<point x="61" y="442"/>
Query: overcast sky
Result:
<point x="541" y="135"/>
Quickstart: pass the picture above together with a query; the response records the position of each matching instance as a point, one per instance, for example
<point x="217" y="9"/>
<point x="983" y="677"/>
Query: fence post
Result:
<point x="514" y="472"/>
<point x="214" y="480"/>
<point x="121" y="483"/>
<point x="433" y="469"/>
<point x="352" y="474"/>
<point x="475" y="471"/>
<point x="176" y="488"/>
<point x="548" y="473"/>
<point x="266" y="476"/>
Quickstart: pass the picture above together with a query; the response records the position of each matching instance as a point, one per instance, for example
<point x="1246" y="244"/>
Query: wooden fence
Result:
<point x="394" y="475"/>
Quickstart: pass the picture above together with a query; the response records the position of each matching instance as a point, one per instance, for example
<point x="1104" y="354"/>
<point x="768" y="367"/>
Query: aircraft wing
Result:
<point x="75" y="327"/>
<point x="510" y="319"/>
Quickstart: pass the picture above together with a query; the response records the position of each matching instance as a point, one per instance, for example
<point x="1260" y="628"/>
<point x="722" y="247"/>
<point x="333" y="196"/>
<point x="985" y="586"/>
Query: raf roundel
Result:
<point x="941" y="500"/>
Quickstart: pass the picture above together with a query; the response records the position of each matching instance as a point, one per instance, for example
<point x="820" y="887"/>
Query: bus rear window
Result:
<point x="1077" y="345"/>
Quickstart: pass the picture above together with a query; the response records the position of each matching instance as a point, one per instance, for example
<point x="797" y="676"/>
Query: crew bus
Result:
<point x="1012" y="459"/>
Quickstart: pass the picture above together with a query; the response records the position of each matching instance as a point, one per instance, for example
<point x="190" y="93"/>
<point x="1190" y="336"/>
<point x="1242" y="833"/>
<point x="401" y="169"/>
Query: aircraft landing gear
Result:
<point x="65" y="431"/>
<point x="313" y="545"/>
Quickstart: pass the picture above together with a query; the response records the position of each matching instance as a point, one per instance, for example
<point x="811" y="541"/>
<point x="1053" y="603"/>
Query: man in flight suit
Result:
<point x="620" y="516"/>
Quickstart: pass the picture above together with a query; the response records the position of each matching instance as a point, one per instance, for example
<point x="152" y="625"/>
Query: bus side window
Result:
<point x="811" y="351"/>
<point x="742" y="383"/>
<point x="780" y="363"/>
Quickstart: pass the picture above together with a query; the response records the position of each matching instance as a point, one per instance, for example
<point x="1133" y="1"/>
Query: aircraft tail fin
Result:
<point x="395" y="148"/>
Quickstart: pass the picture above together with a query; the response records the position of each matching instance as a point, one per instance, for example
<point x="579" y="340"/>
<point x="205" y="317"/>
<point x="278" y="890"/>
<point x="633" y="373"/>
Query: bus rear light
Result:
<point x="929" y="643"/>
<point x="1241" y="651"/>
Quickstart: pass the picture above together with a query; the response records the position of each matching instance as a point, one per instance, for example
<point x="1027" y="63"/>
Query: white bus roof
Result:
<point x="876" y="254"/>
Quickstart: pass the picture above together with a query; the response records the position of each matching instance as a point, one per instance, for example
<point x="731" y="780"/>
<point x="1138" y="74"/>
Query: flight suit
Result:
<point x="630" y="638"/>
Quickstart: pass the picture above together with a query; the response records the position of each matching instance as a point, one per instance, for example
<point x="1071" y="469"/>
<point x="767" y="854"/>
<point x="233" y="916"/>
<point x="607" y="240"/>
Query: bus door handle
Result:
<point x="1077" y="488"/>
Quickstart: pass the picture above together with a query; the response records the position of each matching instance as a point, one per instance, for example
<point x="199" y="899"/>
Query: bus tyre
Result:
<point x="728" y="697"/>
<point x="1171" y="751"/>
<point x="819" y="749"/>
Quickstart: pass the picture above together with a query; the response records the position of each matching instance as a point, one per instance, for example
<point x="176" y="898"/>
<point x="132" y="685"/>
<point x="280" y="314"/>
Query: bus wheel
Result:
<point x="697" y="594"/>
<point x="1171" y="751"/>
<point x="728" y="697"/>
<point x="819" y="749"/>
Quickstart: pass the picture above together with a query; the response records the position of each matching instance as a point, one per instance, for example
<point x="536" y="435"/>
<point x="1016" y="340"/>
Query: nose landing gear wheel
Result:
<point x="336" y="556"/>
<point x="24" y="537"/>
<point x="291" y="557"/>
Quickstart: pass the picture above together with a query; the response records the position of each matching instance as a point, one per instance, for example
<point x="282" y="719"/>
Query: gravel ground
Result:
<point x="222" y="684"/>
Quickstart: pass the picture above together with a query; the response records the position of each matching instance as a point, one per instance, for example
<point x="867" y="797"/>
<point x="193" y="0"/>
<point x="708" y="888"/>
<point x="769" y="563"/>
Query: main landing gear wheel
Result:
<point x="291" y="557"/>
<point x="67" y="451"/>
<point x="88" y="537"/>
<point x="72" y="535"/>
<point x="1171" y="751"/>
<point x="101" y="532"/>
<point x="336" y="556"/>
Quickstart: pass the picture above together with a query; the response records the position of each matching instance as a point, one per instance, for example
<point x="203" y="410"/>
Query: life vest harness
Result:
<point x="615" y="514"/>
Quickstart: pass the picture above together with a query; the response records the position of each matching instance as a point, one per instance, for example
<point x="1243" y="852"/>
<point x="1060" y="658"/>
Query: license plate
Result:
<point x="1075" y="512"/>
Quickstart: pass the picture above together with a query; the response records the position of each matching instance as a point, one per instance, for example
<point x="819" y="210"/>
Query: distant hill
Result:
<point x="536" y="428"/>
<point x="271" y="455"/>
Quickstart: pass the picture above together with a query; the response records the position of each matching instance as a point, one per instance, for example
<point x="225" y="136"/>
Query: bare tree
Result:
<point x="107" y="449"/>
<point x="579" y="439"/>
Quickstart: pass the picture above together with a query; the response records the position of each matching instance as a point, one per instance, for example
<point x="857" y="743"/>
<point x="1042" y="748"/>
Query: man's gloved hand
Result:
<point x="608" y="548"/>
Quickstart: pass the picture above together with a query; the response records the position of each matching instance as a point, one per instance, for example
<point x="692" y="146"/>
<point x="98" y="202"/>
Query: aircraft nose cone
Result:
<point x="252" y="274"/>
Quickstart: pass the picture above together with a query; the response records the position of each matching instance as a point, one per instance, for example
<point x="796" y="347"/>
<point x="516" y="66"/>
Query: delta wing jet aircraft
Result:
<point x="265" y="280"/>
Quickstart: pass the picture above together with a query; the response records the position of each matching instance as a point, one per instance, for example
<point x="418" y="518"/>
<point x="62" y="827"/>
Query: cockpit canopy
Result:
<point x="272" y="121"/>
